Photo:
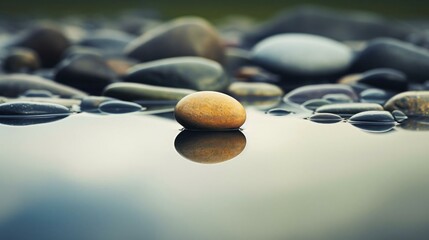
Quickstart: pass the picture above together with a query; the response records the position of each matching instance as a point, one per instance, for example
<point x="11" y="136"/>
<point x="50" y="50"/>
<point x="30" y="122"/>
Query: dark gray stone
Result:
<point x="31" y="108"/>
<point x="303" y="94"/>
<point x="349" y="109"/>
<point x="119" y="107"/>
<point x="181" y="72"/>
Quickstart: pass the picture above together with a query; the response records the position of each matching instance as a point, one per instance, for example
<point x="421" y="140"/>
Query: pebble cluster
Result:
<point x="334" y="68"/>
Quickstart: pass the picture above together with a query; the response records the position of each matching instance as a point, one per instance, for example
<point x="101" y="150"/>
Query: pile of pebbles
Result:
<point x="319" y="64"/>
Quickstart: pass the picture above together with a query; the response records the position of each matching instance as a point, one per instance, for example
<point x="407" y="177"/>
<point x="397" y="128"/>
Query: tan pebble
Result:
<point x="210" y="110"/>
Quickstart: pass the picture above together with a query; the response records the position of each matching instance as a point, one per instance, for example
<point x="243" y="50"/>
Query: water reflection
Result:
<point x="374" y="127"/>
<point x="416" y="124"/>
<point x="210" y="146"/>
<point x="31" y="119"/>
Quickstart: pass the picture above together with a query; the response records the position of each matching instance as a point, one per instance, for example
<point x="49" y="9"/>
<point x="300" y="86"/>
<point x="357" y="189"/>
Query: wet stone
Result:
<point x="313" y="104"/>
<point x="399" y="116"/>
<point x="373" y="117"/>
<point x="210" y="111"/>
<point x="412" y="103"/>
<point x="260" y="90"/>
<point x="14" y="85"/>
<point x="188" y="36"/>
<point x="327" y="118"/>
<point x="278" y="112"/>
<point x="86" y="72"/>
<point x="21" y="60"/>
<point x="119" y="107"/>
<point x="137" y="91"/>
<point x="31" y="108"/>
<point x="374" y="95"/>
<point x="338" y="98"/>
<point x="389" y="53"/>
<point x="48" y="41"/>
<point x="302" y="55"/>
<point x="181" y="72"/>
<point x="305" y="93"/>
<point x="349" y="109"/>
<point x="385" y="78"/>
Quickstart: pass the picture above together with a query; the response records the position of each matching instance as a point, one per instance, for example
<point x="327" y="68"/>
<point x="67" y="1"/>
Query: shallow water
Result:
<point x="93" y="176"/>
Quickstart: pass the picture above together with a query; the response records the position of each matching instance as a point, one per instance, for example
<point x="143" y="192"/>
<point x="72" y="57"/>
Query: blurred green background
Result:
<point x="212" y="9"/>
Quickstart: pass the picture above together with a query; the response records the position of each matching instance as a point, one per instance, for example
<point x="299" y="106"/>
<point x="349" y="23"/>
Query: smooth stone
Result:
<point x="412" y="103"/>
<point x="374" y="95"/>
<point x="313" y="104"/>
<point x="384" y="78"/>
<point x="48" y="41"/>
<point x="399" y="116"/>
<point x="259" y="90"/>
<point x="14" y="85"/>
<point x="20" y="60"/>
<point x="278" y="112"/>
<point x="137" y="91"/>
<point x="37" y="93"/>
<point x="86" y="72"/>
<point x="335" y="24"/>
<point x="188" y="36"/>
<point x="92" y="103"/>
<point x="337" y="98"/>
<point x="326" y="118"/>
<point x="181" y="72"/>
<point x="302" y="55"/>
<point x="389" y="53"/>
<point x="209" y="147"/>
<point x="349" y="109"/>
<point x="210" y="110"/>
<point x="119" y="107"/>
<point x="373" y="117"/>
<point x="235" y="59"/>
<point x="305" y="93"/>
<point x="31" y="108"/>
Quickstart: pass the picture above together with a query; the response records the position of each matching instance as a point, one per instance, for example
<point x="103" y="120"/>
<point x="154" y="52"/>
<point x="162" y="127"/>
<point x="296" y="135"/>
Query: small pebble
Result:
<point x="374" y="95"/>
<point x="279" y="112"/>
<point x="349" y="109"/>
<point x="399" y="116"/>
<point x="326" y="118"/>
<point x="210" y="110"/>
<point x="338" y="98"/>
<point x="313" y="104"/>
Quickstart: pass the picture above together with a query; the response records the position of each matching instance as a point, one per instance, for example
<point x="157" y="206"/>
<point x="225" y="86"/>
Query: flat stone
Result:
<point x="88" y="73"/>
<point x="31" y="108"/>
<point x="138" y="91"/>
<point x="209" y="147"/>
<point x="37" y="93"/>
<point x="373" y="117"/>
<point x="48" y="41"/>
<point x="385" y="78"/>
<point x="181" y="72"/>
<point x="119" y="107"/>
<point x="188" y="36"/>
<point x="413" y="61"/>
<point x="20" y="60"/>
<point x="349" y="109"/>
<point x="92" y="103"/>
<point x="374" y="95"/>
<point x="210" y="110"/>
<point x="66" y="102"/>
<point x="338" y="98"/>
<point x="279" y="112"/>
<point x="412" y="103"/>
<point x="248" y="89"/>
<point x="302" y="55"/>
<point x="14" y="85"/>
<point x="326" y="118"/>
<point x="305" y="93"/>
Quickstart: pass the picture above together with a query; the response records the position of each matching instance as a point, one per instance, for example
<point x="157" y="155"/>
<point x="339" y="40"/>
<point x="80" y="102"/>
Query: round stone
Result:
<point x="412" y="103"/>
<point x="210" y="110"/>
<point x="302" y="55"/>
<point x="210" y="147"/>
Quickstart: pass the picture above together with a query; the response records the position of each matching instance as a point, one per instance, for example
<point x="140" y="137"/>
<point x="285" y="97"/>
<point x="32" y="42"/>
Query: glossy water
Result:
<point x="121" y="177"/>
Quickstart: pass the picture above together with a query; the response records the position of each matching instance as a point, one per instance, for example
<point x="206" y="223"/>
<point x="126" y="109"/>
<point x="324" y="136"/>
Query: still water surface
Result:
<point x="126" y="177"/>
